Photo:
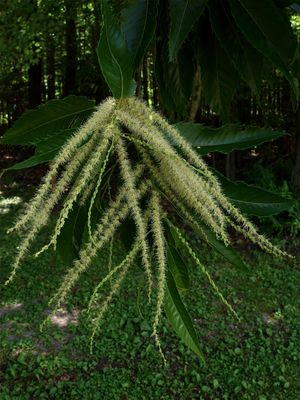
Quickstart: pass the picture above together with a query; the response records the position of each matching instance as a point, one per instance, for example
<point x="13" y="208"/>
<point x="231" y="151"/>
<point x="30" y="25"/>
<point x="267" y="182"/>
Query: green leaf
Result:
<point x="226" y="251"/>
<point x="138" y="23"/>
<point x="183" y="15"/>
<point x="114" y="56"/>
<point x="259" y="22"/>
<point x="70" y="238"/>
<point x="165" y="92"/>
<point x="273" y="24"/>
<point x="179" y="317"/>
<point x="225" y="139"/>
<point x="245" y="58"/>
<point x="179" y="77"/>
<point x="219" y="80"/>
<point x="47" y="121"/>
<point x="128" y="233"/>
<point x="46" y="150"/>
<point x="176" y="264"/>
<point x="253" y="200"/>
<point x="178" y="268"/>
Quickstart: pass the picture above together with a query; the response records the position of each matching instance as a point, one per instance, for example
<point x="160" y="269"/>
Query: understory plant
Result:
<point x="160" y="174"/>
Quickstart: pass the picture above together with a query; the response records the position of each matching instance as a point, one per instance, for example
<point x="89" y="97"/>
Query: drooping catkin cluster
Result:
<point x="154" y="162"/>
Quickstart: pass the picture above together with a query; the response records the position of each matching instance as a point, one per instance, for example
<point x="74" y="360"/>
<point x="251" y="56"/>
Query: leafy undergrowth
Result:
<point x="256" y="358"/>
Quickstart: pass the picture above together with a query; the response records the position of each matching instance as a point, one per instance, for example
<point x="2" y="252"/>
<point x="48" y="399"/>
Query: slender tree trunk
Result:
<point x="50" y="67"/>
<point x="145" y="79"/>
<point x="296" y="169"/>
<point x="196" y="94"/>
<point x="102" y="90"/>
<point x="71" y="49"/>
<point x="35" y="85"/>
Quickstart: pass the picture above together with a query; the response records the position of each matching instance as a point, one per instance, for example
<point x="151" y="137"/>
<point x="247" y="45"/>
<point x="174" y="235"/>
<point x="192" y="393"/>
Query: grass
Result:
<point x="257" y="358"/>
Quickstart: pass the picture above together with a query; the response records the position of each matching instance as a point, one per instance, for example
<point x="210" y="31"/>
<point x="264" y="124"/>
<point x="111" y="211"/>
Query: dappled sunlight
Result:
<point x="9" y="307"/>
<point x="7" y="203"/>
<point x="63" y="318"/>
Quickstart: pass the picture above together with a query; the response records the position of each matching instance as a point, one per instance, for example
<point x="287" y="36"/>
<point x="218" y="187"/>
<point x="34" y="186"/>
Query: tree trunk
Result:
<point x="71" y="49"/>
<point x="196" y="94"/>
<point x="35" y="85"/>
<point x="50" y="67"/>
<point x="102" y="90"/>
<point x="145" y="79"/>
<point x="296" y="169"/>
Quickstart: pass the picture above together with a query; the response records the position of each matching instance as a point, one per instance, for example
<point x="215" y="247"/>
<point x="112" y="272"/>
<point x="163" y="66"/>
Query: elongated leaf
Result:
<point x="259" y="22"/>
<point x="226" y="251"/>
<point x="268" y="18"/>
<point x="69" y="241"/>
<point x="114" y="57"/>
<point x="48" y="120"/>
<point x="178" y="268"/>
<point x="165" y="91"/>
<point x="138" y="23"/>
<point x="175" y="259"/>
<point x="253" y="200"/>
<point x="179" y="317"/>
<point x="46" y="150"/>
<point x="219" y="79"/>
<point x="178" y="75"/>
<point x="183" y="15"/>
<point x="226" y="138"/>
<point x="245" y="58"/>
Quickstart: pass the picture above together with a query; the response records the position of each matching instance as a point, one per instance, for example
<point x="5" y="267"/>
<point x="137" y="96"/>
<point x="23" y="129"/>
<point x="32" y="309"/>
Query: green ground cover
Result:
<point x="257" y="358"/>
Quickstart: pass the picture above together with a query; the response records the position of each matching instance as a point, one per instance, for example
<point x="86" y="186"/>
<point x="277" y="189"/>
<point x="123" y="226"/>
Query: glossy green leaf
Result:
<point x="138" y="23"/>
<point x="183" y="15"/>
<point x="227" y="252"/>
<point x="253" y="200"/>
<point x="219" y="79"/>
<point x="178" y="268"/>
<point x="70" y="238"/>
<point x="114" y="56"/>
<point x="165" y="91"/>
<point x="49" y="121"/>
<point x="245" y="58"/>
<point x="178" y="79"/>
<point x="259" y="22"/>
<point x="128" y="233"/>
<point x="179" y="317"/>
<point x="225" y="139"/>
<point x="267" y="19"/>
<point x="176" y="263"/>
<point x="46" y="150"/>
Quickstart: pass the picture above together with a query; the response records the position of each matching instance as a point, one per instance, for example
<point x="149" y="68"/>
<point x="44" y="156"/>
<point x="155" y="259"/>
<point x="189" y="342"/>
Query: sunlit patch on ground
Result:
<point x="64" y="318"/>
<point x="6" y="203"/>
<point x="8" y="308"/>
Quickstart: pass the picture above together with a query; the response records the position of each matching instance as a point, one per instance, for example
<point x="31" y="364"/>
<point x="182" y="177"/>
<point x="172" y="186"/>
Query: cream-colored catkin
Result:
<point x="204" y="271"/>
<point x="146" y="131"/>
<point x="67" y="153"/>
<point x="187" y="195"/>
<point x="87" y="173"/>
<point x="94" y="195"/>
<point x="167" y="129"/>
<point x="159" y="244"/>
<point x="103" y="232"/>
<point x="128" y="260"/>
<point x="126" y="173"/>
<point x="246" y="227"/>
<point x="205" y="204"/>
<point x="105" y="304"/>
<point x="171" y="196"/>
